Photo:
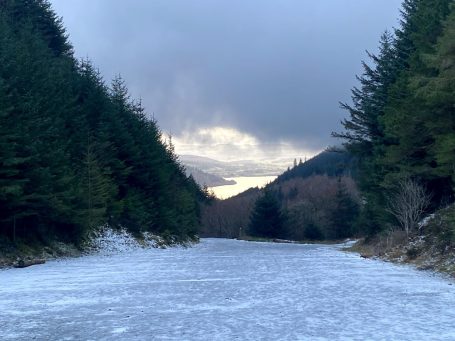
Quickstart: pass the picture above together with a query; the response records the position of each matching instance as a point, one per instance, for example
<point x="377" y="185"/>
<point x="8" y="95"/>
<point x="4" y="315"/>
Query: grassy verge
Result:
<point x="21" y="252"/>
<point x="431" y="248"/>
<point x="26" y="253"/>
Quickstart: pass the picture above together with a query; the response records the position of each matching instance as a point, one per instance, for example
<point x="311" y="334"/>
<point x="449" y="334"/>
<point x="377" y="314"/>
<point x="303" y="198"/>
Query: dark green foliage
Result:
<point x="96" y="190"/>
<point x="372" y="218"/>
<point x="408" y="121"/>
<point x="75" y="154"/>
<point x="438" y="91"/>
<point x="313" y="232"/>
<point x="344" y="214"/>
<point x="363" y="129"/>
<point x="401" y="123"/>
<point x="267" y="219"/>
<point x="331" y="163"/>
<point x="443" y="226"/>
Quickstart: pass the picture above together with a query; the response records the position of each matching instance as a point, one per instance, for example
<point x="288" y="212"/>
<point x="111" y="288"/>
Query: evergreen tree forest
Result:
<point x="331" y="162"/>
<point x="401" y="124"/>
<point x="75" y="152"/>
<point x="399" y="141"/>
<point x="315" y="200"/>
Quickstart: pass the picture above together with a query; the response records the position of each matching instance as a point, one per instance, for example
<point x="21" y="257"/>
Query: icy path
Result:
<point x="225" y="290"/>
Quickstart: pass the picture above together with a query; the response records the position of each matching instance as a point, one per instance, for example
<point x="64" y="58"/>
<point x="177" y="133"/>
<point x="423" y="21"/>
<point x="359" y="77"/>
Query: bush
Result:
<point x="313" y="232"/>
<point x="412" y="253"/>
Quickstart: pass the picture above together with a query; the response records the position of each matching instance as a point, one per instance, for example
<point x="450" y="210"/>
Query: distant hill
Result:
<point x="232" y="169"/>
<point x="314" y="195"/>
<point x="206" y="179"/>
<point x="329" y="162"/>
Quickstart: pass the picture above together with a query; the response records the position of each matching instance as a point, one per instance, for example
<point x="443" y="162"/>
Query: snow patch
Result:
<point x="424" y="222"/>
<point x="108" y="241"/>
<point x="266" y="291"/>
<point x="119" y="330"/>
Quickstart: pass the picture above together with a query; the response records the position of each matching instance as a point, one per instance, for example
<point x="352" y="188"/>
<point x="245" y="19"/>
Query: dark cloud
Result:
<point x="273" y="69"/>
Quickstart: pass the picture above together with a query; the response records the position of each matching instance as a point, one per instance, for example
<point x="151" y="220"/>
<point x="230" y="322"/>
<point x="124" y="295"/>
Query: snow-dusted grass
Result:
<point x="225" y="290"/>
<point x="107" y="241"/>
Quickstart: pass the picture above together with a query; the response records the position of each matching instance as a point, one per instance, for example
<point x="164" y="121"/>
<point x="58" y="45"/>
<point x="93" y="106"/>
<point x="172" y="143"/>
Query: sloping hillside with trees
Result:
<point x="399" y="139"/>
<point x="76" y="153"/>
<point x="401" y="124"/>
<point x="315" y="200"/>
<point x="332" y="162"/>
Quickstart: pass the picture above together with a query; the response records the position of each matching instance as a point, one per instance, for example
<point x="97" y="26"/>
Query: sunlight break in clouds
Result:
<point x="265" y="67"/>
<point x="230" y="144"/>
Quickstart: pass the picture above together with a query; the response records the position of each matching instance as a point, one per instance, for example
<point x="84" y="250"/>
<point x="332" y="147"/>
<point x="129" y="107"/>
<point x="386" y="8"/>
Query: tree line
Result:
<point x="76" y="153"/>
<point x="315" y="200"/>
<point x="401" y="124"/>
<point x="399" y="141"/>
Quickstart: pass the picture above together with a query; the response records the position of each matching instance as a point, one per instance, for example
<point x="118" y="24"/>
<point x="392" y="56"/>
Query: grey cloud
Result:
<point x="274" y="69"/>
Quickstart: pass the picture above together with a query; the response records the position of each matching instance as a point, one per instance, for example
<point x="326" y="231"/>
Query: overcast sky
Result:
<point x="268" y="74"/>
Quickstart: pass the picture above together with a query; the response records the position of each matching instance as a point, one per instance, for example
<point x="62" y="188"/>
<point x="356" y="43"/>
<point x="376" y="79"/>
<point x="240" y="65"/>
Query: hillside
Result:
<point x="204" y="179"/>
<point x="76" y="153"/>
<point x="401" y="120"/>
<point x="232" y="169"/>
<point x="318" y="199"/>
<point x="433" y="248"/>
<point x="401" y="127"/>
<point x="329" y="162"/>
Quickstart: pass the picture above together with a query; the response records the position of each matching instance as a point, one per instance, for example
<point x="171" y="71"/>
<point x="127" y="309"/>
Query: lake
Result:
<point x="242" y="184"/>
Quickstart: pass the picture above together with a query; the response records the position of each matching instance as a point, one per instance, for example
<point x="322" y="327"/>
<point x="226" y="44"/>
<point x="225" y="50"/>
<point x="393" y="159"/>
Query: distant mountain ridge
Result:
<point x="318" y="197"/>
<point x="206" y="179"/>
<point x="329" y="162"/>
<point x="231" y="169"/>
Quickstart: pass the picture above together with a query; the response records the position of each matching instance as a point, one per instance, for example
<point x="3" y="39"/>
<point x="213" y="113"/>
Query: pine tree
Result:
<point x="267" y="219"/>
<point x="96" y="191"/>
<point x="437" y="90"/>
<point x="344" y="214"/>
<point x="364" y="133"/>
<point x="407" y="152"/>
<point x="390" y="129"/>
<point x="12" y="183"/>
<point x="362" y="129"/>
<point x="56" y="183"/>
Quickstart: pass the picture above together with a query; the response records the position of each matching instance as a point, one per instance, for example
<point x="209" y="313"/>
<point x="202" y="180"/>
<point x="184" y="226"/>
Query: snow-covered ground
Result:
<point x="225" y="290"/>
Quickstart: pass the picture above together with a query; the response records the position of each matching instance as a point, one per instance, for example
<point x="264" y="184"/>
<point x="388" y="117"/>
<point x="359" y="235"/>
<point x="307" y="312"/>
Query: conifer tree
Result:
<point x="391" y="128"/>
<point x="437" y="90"/>
<point x="96" y="190"/>
<point x="407" y="152"/>
<point x="56" y="183"/>
<point x="344" y="214"/>
<point x="267" y="219"/>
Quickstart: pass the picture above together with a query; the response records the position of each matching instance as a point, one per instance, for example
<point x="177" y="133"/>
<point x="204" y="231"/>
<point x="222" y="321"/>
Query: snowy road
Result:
<point x="225" y="290"/>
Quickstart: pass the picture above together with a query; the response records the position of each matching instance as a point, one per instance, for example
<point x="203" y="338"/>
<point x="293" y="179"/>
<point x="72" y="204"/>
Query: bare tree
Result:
<point x="408" y="203"/>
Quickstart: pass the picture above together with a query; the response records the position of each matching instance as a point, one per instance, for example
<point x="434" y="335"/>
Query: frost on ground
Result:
<point x="225" y="290"/>
<point x="107" y="241"/>
<point x="104" y="241"/>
